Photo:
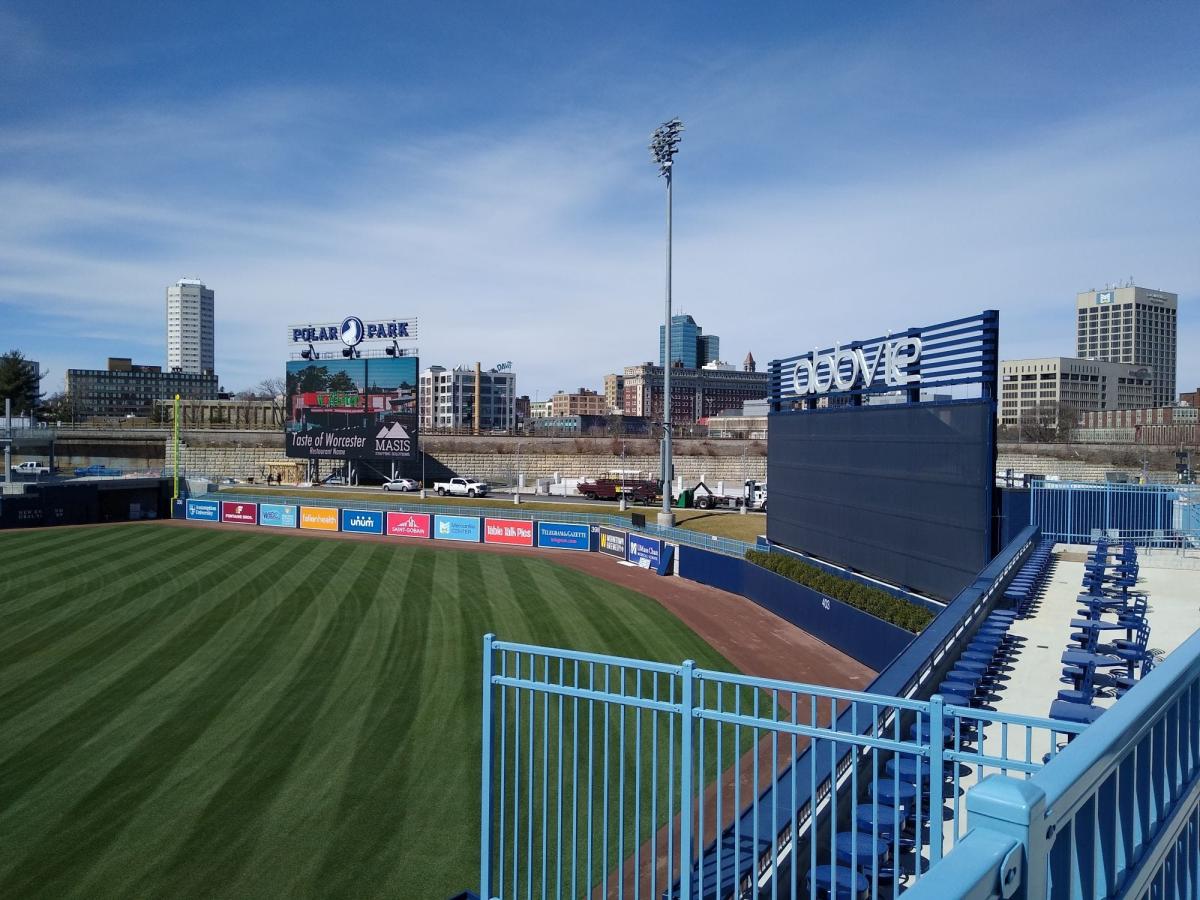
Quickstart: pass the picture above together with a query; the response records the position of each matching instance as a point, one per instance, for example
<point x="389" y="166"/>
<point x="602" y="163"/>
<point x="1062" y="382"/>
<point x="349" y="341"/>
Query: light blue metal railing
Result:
<point x="622" y="778"/>
<point x="728" y="546"/>
<point x="1115" y="814"/>
<point x="1151" y="515"/>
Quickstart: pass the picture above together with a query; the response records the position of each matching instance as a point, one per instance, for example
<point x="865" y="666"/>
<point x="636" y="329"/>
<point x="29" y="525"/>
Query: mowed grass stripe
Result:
<point x="368" y="817"/>
<point x="215" y="854"/>
<point x="41" y="567"/>
<point x="24" y="551"/>
<point x="282" y="619"/>
<point x="207" y="701"/>
<point x="97" y="818"/>
<point x="88" y="652"/>
<point x="30" y="761"/>
<point x="303" y="721"/>
<point x="26" y="633"/>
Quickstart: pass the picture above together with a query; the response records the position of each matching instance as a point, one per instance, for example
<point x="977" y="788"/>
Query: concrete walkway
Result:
<point x="1173" y="614"/>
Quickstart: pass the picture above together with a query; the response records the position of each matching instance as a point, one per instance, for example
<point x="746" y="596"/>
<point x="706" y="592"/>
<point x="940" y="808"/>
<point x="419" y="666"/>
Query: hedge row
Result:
<point x="880" y="604"/>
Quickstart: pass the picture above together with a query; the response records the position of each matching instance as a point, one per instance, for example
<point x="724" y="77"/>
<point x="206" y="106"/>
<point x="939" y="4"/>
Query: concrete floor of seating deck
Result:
<point x="1173" y="613"/>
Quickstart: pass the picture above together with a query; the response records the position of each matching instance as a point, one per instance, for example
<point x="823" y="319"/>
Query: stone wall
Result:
<point x="247" y="462"/>
<point x="1072" y="470"/>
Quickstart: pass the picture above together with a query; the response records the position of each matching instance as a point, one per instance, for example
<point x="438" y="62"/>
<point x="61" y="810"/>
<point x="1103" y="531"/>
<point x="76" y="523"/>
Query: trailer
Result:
<point x="752" y="495"/>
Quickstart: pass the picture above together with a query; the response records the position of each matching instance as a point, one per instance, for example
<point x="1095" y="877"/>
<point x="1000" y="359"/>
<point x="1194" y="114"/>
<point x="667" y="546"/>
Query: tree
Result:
<point x="270" y="388"/>
<point x="20" y="382"/>
<point x="57" y="408"/>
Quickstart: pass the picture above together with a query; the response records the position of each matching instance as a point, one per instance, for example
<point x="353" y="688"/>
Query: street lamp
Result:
<point x="664" y="144"/>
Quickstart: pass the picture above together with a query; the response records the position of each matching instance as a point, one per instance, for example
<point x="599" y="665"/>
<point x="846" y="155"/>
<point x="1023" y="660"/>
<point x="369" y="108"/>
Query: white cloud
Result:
<point x="544" y="245"/>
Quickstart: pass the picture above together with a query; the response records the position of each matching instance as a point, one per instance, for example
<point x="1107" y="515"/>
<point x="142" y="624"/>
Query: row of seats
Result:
<point x="900" y="806"/>
<point x="1108" y="650"/>
<point x="1027" y="585"/>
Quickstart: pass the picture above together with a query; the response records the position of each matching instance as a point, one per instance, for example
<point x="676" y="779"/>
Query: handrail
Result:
<point x="911" y="673"/>
<point x="1158" y="798"/>
<point x="1089" y="759"/>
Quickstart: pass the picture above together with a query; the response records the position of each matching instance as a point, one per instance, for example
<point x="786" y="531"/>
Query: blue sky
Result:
<point x="847" y="169"/>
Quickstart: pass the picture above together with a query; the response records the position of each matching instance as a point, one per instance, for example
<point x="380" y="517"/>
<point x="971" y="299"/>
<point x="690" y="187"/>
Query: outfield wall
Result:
<point x="641" y="550"/>
<point x="870" y="640"/>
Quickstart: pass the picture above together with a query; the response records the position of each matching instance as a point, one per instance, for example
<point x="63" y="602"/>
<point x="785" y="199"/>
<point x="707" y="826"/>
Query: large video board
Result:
<point x="352" y="408"/>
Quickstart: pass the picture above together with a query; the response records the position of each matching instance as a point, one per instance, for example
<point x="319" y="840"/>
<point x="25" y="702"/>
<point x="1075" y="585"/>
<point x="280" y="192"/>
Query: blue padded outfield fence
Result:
<point x="683" y="536"/>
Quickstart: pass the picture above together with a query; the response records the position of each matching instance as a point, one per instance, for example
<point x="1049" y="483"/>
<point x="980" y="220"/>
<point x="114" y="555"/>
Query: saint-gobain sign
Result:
<point x="844" y="369"/>
<point x="352" y="331"/>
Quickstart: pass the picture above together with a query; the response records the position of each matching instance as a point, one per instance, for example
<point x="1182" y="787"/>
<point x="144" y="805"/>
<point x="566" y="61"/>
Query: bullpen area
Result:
<point x="221" y="712"/>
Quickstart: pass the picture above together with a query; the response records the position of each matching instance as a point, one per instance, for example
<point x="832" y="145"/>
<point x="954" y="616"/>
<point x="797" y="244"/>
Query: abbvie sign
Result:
<point x="845" y="369"/>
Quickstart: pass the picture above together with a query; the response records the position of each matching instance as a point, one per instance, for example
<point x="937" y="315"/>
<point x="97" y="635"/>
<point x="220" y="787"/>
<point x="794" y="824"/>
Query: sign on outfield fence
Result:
<point x="319" y="518"/>
<point x="563" y="536"/>
<point x="612" y="542"/>
<point x="204" y="510"/>
<point x="456" y="528"/>
<point x="362" y="521"/>
<point x="402" y="524"/>
<point x="278" y="515"/>
<point x="513" y="532"/>
<point x="239" y="513"/>
<point x="644" y="551"/>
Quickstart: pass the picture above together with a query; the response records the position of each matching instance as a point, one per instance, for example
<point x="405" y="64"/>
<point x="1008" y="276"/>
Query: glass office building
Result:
<point x="690" y="346"/>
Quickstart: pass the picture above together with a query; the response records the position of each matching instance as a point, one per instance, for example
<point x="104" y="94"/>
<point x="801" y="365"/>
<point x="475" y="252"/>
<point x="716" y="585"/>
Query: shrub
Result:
<point x="880" y="604"/>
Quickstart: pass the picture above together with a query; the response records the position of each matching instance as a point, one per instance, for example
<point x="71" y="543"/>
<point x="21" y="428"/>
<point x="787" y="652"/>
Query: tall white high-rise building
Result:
<point x="1131" y="325"/>
<point x="190" y="327"/>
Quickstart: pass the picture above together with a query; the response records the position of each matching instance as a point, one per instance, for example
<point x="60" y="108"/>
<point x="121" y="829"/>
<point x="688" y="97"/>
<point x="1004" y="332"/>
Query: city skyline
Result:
<point x="501" y="213"/>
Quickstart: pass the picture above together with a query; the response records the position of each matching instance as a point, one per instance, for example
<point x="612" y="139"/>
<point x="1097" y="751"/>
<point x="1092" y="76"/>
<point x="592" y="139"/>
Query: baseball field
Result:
<point x="203" y="712"/>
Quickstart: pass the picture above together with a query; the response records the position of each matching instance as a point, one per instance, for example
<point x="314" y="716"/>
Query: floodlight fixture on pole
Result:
<point x="664" y="144"/>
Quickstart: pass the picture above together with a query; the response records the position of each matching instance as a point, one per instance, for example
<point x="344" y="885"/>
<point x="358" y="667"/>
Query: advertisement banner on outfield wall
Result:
<point x="362" y="521"/>
<point x="278" y="515"/>
<point x="563" y="536"/>
<point x="319" y="518"/>
<point x="204" y="510"/>
<point x="612" y="542"/>
<point x="514" y="532"/>
<point x="456" y="528"/>
<point x="239" y="513"/>
<point x="644" y="551"/>
<point x="402" y="524"/>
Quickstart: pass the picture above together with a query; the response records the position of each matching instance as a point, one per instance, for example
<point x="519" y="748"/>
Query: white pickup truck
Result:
<point x="461" y="487"/>
<point x="31" y="467"/>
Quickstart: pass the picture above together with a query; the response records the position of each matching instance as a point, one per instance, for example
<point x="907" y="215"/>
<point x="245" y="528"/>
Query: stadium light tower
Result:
<point x="664" y="144"/>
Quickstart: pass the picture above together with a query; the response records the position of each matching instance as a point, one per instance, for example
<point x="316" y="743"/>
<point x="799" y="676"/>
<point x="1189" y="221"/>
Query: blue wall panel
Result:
<point x="871" y="641"/>
<point x="902" y="493"/>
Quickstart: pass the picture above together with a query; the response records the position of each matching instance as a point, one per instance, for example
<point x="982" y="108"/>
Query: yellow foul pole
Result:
<point x="175" y="446"/>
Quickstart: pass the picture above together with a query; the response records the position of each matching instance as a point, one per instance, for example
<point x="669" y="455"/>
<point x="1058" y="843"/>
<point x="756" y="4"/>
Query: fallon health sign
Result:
<point x="644" y="551"/>
<point x="362" y="521"/>
<point x="563" y="536"/>
<point x="239" y="513"/>
<point x="402" y="524"/>
<point x="514" y="532"/>
<point x="278" y="515"/>
<point x="319" y="518"/>
<point x="204" y="510"/>
<point x="456" y="528"/>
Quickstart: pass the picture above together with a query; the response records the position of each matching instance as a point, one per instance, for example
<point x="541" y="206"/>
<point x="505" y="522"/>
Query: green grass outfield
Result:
<point x="191" y="712"/>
